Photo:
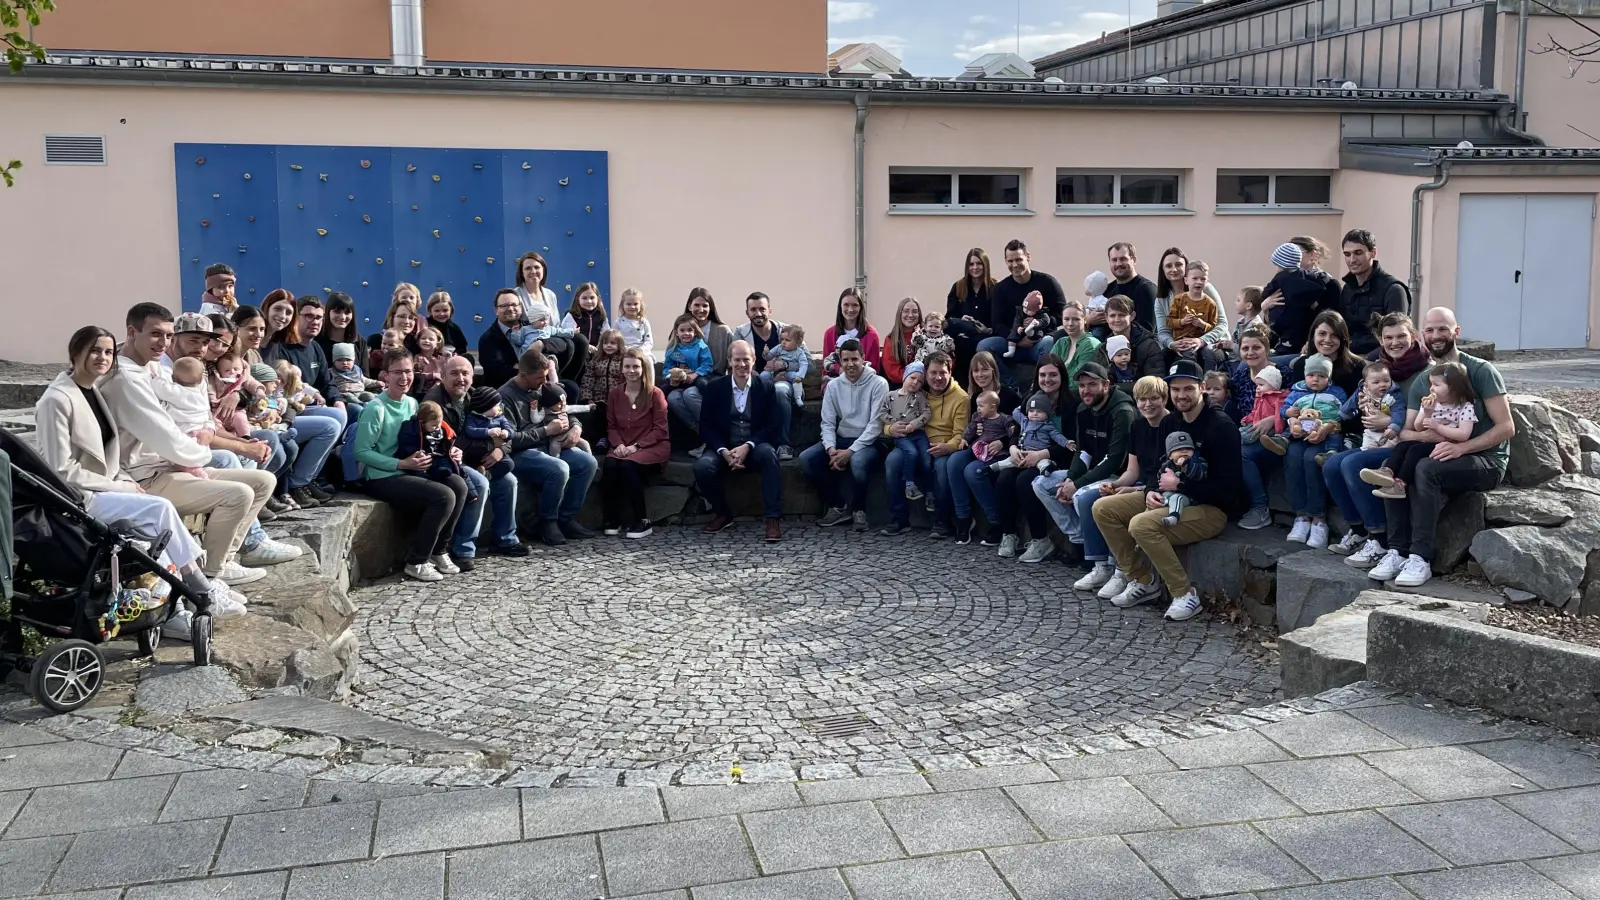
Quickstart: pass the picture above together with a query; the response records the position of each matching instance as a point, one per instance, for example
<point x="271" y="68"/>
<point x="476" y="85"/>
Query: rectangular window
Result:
<point x="1077" y="189"/>
<point x="936" y="190"/>
<point x="1274" y="190"/>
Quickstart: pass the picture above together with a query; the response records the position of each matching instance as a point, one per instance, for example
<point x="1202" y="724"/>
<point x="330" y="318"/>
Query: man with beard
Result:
<point x="1127" y="282"/>
<point x="947" y="407"/>
<point x="762" y="332"/>
<point x="1132" y="523"/>
<point x="1010" y="295"/>
<point x="1476" y="464"/>
<point x="1368" y="292"/>
<point x="1105" y="418"/>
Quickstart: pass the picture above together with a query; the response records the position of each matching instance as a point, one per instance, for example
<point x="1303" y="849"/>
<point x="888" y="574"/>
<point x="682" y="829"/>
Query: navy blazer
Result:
<point x="716" y="412"/>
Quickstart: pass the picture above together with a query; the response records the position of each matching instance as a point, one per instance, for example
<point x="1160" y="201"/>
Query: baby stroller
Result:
<point x="84" y="582"/>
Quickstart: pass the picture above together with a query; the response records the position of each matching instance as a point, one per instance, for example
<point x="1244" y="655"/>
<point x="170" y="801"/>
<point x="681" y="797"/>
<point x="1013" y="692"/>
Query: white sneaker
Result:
<point x="1039" y="550"/>
<point x="1367" y="556"/>
<point x="1116" y="585"/>
<point x="1301" y="530"/>
<point x="444" y="565"/>
<point x="1008" y="546"/>
<point x="269" y="553"/>
<point x="1135" y="594"/>
<point x="698" y="451"/>
<point x="1318" y="538"/>
<point x="234" y="573"/>
<point x="226" y="603"/>
<point x="1097" y="577"/>
<point x="1184" y="607"/>
<point x="1414" y="573"/>
<point x="179" y="627"/>
<point x="1347" y="544"/>
<point x="1387" y="567"/>
<point x="423" y="572"/>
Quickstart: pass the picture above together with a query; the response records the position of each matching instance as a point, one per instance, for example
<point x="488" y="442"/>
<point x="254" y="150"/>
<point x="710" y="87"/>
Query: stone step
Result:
<point x="351" y="725"/>
<point x="17" y="421"/>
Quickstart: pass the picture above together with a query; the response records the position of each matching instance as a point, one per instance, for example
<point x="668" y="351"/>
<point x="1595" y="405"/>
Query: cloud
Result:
<point x="891" y="42"/>
<point x="1033" y="44"/>
<point x="850" y="11"/>
<point x="1105" y="18"/>
<point x="981" y="20"/>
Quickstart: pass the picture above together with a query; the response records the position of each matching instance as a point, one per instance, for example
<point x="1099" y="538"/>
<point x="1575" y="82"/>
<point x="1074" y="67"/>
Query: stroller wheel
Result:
<point x="149" y="640"/>
<point x="67" y="675"/>
<point x="200" y="639"/>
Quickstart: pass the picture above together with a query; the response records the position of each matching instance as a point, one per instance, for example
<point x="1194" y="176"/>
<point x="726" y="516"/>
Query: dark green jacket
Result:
<point x="1103" y="434"/>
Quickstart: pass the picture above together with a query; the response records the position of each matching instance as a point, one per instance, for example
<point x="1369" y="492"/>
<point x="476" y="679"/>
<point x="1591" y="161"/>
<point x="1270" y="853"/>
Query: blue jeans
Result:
<point x="1256" y="463"/>
<point x="1075" y="519"/>
<point x="283" y="455"/>
<point x="980" y="483"/>
<point x="954" y="480"/>
<point x="710" y="472"/>
<point x="1030" y="354"/>
<point x="1307" y="493"/>
<point x="908" y="461"/>
<point x="814" y="462"/>
<point x="319" y="429"/>
<point x="1342" y="475"/>
<point x="563" y="480"/>
<point x="788" y="395"/>
<point x="684" y="403"/>
<point x="499" y="488"/>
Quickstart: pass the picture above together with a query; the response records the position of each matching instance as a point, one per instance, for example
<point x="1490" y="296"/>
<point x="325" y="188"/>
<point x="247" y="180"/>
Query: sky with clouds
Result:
<point x="938" y="37"/>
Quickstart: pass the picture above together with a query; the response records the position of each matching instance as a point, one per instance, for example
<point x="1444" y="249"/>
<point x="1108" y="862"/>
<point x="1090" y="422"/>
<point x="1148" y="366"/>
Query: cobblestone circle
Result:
<point x="683" y="648"/>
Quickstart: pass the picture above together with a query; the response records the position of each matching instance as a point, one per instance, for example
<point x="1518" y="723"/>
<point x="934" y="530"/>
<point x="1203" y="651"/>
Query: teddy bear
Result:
<point x="1309" y="420"/>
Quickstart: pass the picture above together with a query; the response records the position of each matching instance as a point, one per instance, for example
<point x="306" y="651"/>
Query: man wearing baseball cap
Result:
<point x="1104" y="420"/>
<point x="1131" y="523"/>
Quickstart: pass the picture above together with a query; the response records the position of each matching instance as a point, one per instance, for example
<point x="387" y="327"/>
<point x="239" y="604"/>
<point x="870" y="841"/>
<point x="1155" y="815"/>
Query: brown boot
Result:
<point x="718" y="523"/>
<point x="774" y="531"/>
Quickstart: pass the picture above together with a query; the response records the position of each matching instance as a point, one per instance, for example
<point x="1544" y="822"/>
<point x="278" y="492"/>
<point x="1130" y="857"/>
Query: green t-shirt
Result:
<point x="1486" y="382"/>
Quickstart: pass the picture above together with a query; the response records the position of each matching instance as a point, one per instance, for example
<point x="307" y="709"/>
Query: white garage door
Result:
<point x="1524" y="268"/>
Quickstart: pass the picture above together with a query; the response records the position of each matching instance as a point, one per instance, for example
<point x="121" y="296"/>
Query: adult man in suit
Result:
<point x="739" y="426"/>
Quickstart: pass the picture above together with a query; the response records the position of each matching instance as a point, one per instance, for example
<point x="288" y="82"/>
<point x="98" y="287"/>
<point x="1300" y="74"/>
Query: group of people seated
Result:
<point x="1145" y="421"/>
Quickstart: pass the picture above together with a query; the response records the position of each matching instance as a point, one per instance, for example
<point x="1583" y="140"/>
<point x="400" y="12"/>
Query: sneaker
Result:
<point x="611" y="530"/>
<point x="1318" y="538"/>
<point x="718" y="524"/>
<point x="963" y="531"/>
<point x="835" y="516"/>
<point x="550" y="533"/>
<point x="288" y="503"/>
<point x="1301" y="530"/>
<point x="304" y="498"/>
<point x="1347" y="544"/>
<point x="265" y="514"/>
<point x="269" y="553"/>
<point x="1114" y="586"/>
<point x="1414" y="573"/>
<point x="1396" y="491"/>
<point x="640" y="529"/>
<point x="1275" y="443"/>
<point x="895" y="529"/>
<point x="226" y="603"/>
<point x="1184" y="607"/>
<point x="912" y="491"/>
<point x="1097" y="577"/>
<point x="233" y="573"/>
<point x="991" y="536"/>
<point x="698" y="451"/>
<point x="1379" y="477"/>
<point x="939" y="531"/>
<point x="1135" y="594"/>
<point x="933" y="504"/>
<point x="276" y="505"/>
<point x="318" y="491"/>
<point x="423" y="572"/>
<point x="1256" y="519"/>
<point x="1367" y="556"/>
<point x="179" y="627"/>
<point x="1039" y="550"/>
<point x="443" y="564"/>
<point x="1323" y="457"/>
<point x="1008" y="546"/>
<point x="1010" y="352"/>
<point x="858" y="521"/>
<point x="785" y="453"/>
<point x="573" y="531"/>
<point x="1387" y="567"/>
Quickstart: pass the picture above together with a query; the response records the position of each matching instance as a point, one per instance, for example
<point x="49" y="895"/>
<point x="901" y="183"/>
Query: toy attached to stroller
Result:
<point x="85" y="582"/>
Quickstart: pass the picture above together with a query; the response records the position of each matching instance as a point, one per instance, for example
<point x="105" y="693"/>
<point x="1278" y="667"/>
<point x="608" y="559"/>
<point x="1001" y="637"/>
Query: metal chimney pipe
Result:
<point x="405" y="32"/>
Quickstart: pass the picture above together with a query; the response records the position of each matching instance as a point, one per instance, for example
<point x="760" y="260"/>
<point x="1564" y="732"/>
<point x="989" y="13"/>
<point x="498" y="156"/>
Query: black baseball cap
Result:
<point x="1186" y="368"/>
<point x="1094" y="370"/>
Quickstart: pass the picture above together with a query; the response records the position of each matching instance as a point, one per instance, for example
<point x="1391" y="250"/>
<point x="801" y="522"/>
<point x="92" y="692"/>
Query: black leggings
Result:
<point x="438" y="503"/>
<point x="1404" y="457"/>
<point x="1013" y="488"/>
<point x="622" y="486"/>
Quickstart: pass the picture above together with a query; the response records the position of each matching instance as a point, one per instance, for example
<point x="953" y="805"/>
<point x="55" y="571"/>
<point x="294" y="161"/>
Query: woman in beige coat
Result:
<point x="77" y="438"/>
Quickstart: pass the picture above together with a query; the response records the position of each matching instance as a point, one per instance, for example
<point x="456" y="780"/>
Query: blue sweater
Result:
<point x="695" y="357"/>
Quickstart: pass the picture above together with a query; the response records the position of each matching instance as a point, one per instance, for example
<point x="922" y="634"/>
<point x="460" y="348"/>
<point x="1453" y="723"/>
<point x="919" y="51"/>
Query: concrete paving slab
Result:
<point x="538" y="870"/>
<point x="1100" y="868"/>
<point x="123" y="856"/>
<point x="1350" y="845"/>
<point x="550" y="812"/>
<point x="1217" y="859"/>
<point x="297" y="837"/>
<point x="1213" y="796"/>
<point x="789" y="840"/>
<point x="962" y="876"/>
<point x="447" y="821"/>
<point x="941" y="823"/>
<point x="675" y="855"/>
<point x="1475" y="832"/>
<point x="399" y="878"/>
<point x="1089" y="807"/>
<point x="1505" y="882"/>
<point x="1331" y="785"/>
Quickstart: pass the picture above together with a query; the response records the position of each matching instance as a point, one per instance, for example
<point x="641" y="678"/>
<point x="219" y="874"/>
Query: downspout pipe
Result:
<point x="405" y="33"/>
<point x="1440" y="178"/>
<point x="861" y="194"/>
<point x="1519" y="116"/>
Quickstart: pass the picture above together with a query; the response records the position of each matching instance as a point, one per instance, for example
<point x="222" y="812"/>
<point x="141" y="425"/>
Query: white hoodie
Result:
<point x="850" y="410"/>
<point x="151" y="442"/>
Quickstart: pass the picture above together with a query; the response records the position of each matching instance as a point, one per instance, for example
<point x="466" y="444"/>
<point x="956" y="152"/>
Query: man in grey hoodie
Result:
<point x="850" y="428"/>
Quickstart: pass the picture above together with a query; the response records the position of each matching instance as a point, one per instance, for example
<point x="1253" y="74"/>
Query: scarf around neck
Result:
<point x="1407" y="364"/>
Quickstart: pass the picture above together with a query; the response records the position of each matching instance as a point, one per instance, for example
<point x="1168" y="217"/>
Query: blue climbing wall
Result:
<point x="363" y="219"/>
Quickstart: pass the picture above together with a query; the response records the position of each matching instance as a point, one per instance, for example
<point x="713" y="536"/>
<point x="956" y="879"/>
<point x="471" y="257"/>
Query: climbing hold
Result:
<point x="569" y="234"/>
<point x="252" y="290"/>
<point x="413" y="207"/>
<point x="436" y="232"/>
<point x="252" y="218"/>
<point x="416" y="264"/>
<point x="588" y="209"/>
<point x="302" y="265"/>
<point x="195" y="260"/>
<point x="527" y="219"/>
<point x="411" y="168"/>
<point x="205" y="223"/>
<point x="327" y="290"/>
<point x="352" y="196"/>
<point x="363" y="284"/>
<point x="201" y="160"/>
<point x="545" y="249"/>
<point x="478" y="166"/>
<point x="380" y="260"/>
<point x="475" y="284"/>
<point x="366" y="164"/>
<point x="525" y="166"/>
<point x="247" y="176"/>
<point x="322" y="232"/>
<point x="323" y="177"/>
<point x="435" y="178"/>
<point x="591" y="263"/>
<point x="300" y="205"/>
<point x="216" y="196"/>
<point x="569" y="288"/>
<point x="296" y="166"/>
<point x="243" y="248"/>
<point x="564" y="182"/>
<point x="541" y="199"/>
<point x="463" y="198"/>
<point x="590" y="172"/>
<point x="490" y="260"/>
<point x="478" y="219"/>
<point x="367" y="219"/>
<point x="461" y="249"/>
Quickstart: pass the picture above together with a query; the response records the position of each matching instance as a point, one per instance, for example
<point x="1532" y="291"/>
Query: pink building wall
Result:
<point x="1563" y="104"/>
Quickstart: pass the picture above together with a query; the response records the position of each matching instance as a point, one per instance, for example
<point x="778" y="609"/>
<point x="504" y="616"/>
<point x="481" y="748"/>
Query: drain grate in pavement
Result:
<point x="841" y="726"/>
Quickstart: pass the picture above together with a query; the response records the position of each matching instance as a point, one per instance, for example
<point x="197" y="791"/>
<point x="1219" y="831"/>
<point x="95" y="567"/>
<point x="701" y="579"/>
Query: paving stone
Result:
<point x="1235" y="748"/>
<point x="1127" y="762"/>
<point x="964" y="876"/>
<point x="294" y="765"/>
<point x="709" y="801"/>
<point x="1217" y="859"/>
<point x="1547" y="765"/>
<point x="767" y="773"/>
<point x="1472" y="832"/>
<point x="592" y="778"/>
<point x="1417" y="727"/>
<point x="1330" y="785"/>
<point x="675" y="855"/>
<point x="387" y="756"/>
<point x="842" y="834"/>
<point x="26" y="865"/>
<point x="821" y="885"/>
<point x="297" y="837"/>
<point x="10" y="803"/>
<point x="123" y="856"/>
<point x="260" y="886"/>
<point x="997" y="776"/>
<point x="137" y="764"/>
<point x="1578" y="874"/>
<point x="107" y="894"/>
<point x="257" y="739"/>
<point x="22" y="736"/>
<point x="1213" y="796"/>
<point x="447" y="820"/>
<point x="312" y="746"/>
<point x="940" y="823"/>
<point x="827" y="772"/>
<point x="1088" y="807"/>
<point x="536" y="870"/>
<point x="399" y="878"/>
<point x="876" y="788"/>
<point x="322" y="717"/>
<point x="38" y="765"/>
<point x="1350" y="845"/>
<point x="227" y="792"/>
<point x="323" y="792"/>
<point x="537" y="778"/>
<point x="175" y="689"/>
<point x="71" y="808"/>
<point x="1328" y="734"/>
<point x="548" y="813"/>
<point x="1507" y="882"/>
<point x="1572" y="814"/>
<point x="875" y="769"/>
<point x="1448" y="773"/>
<point x="1094" y="869"/>
<point x="1365" y="889"/>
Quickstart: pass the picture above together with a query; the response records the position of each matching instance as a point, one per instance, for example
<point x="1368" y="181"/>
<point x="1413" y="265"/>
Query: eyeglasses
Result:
<point x="401" y="373"/>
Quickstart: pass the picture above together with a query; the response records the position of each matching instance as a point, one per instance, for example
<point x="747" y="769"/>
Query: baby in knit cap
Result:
<point x="1120" y="355"/>
<point x="1269" y="398"/>
<point x="1189" y="466"/>
<point x="908" y="405"/>
<point x="348" y="379"/>
<point x="1038" y="433"/>
<point x="1094" y="289"/>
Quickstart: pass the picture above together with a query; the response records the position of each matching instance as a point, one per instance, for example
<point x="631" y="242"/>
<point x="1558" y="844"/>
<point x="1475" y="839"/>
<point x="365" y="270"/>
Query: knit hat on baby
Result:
<point x="344" y="351"/>
<point x="1040" y="401"/>
<point x="1287" y="256"/>
<point x="1179" y="440"/>
<point x="1271" y="378"/>
<point x="482" y="399"/>
<point x="915" y="368"/>
<point x="1096" y="284"/>
<point x="263" y="372"/>
<point x="1114" y="345"/>
<point x="1317" y="364"/>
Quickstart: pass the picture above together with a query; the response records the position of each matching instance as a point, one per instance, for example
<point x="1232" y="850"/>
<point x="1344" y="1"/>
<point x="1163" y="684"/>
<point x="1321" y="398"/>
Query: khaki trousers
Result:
<point x="1138" y="539"/>
<point x="229" y="500"/>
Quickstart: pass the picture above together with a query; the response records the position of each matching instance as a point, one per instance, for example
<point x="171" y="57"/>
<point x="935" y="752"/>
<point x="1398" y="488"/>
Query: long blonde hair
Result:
<point x="898" y="338"/>
<point x="647" y="371"/>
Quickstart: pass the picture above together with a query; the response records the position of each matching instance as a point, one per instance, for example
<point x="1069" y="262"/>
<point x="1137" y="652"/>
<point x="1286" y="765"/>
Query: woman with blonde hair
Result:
<point x="897" y="349"/>
<point x="636" y="426"/>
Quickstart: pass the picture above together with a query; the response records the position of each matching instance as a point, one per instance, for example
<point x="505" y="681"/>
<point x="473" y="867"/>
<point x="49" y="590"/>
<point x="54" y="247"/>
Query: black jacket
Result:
<point x="1304" y="295"/>
<point x="716" y="413"/>
<point x="1148" y="357"/>
<point x="590" y="322"/>
<point x="472" y="452"/>
<point x="312" y="364"/>
<point x="496" y="355"/>
<point x="1360" y="303"/>
<point x="977" y="305"/>
<point x="1216" y="439"/>
<point x="1103" y="434"/>
<point x="454" y="337"/>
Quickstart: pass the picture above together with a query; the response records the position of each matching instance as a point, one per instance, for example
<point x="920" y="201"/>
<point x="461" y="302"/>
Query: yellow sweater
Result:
<point x="948" y="416"/>
<point x="1182" y="305"/>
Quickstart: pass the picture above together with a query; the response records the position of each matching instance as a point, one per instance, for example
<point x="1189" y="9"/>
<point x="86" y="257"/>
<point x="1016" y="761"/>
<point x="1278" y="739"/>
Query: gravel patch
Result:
<point x="1547" y="623"/>
<point x="1585" y="403"/>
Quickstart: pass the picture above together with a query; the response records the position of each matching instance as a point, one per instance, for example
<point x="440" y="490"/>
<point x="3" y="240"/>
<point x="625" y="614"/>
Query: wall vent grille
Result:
<point x="75" y="149"/>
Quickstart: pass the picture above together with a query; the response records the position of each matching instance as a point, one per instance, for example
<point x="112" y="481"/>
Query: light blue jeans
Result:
<point x="319" y="429"/>
<point x="501" y="493"/>
<point x="1075" y="519"/>
<point x="1031" y="354"/>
